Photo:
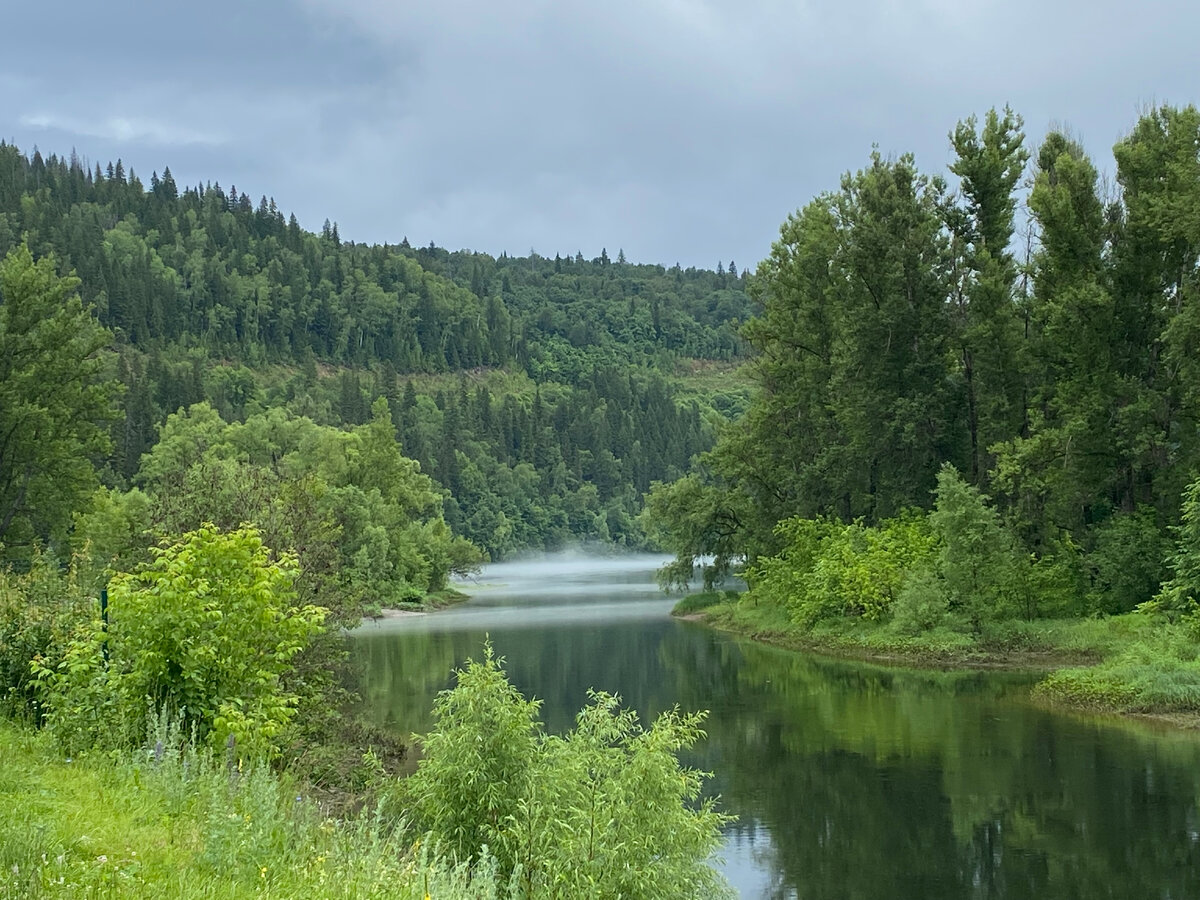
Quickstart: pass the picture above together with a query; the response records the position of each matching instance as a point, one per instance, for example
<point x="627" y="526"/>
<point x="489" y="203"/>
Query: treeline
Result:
<point x="202" y="267"/>
<point x="915" y="350"/>
<point x="564" y="408"/>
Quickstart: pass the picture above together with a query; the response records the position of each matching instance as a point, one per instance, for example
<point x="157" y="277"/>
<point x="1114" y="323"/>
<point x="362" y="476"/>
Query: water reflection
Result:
<point x="850" y="781"/>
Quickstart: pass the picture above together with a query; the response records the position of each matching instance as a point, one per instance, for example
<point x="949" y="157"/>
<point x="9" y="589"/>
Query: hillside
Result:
<point x="542" y="395"/>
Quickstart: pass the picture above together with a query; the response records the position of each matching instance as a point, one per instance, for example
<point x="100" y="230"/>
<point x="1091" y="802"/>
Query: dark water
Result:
<point x="849" y="781"/>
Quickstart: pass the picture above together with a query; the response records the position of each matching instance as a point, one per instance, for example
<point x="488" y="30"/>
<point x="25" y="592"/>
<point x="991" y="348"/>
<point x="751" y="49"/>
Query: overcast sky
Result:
<point x="678" y="130"/>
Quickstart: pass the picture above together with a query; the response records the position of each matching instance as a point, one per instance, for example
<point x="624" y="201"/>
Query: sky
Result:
<point x="675" y="130"/>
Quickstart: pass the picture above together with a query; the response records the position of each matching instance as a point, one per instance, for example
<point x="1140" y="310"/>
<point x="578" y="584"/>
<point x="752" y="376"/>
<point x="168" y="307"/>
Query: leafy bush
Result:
<point x="922" y="604"/>
<point x="979" y="562"/>
<point x="1127" y="562"/>
<point x="39" y="610"/>
<point x="205" y="632"/>
<point x="1180" y="594"/>
<point x="606" y="811"/>
<point x="828" y="569"/>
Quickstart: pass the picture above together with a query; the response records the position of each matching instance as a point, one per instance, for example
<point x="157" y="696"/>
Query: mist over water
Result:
<point x="565" y="590"/>
<point x="849" y="781"/>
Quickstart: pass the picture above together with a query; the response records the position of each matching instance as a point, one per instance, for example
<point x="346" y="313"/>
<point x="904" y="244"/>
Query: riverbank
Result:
<point x="433" y="601"/>
<point x="1130" y="665"/>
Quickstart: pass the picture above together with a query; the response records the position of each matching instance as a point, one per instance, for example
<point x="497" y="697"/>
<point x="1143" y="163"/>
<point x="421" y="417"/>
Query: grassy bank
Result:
<point x="433" y="600"/>
<point x="164" y="825"/>
<point x="1131" y="664"/>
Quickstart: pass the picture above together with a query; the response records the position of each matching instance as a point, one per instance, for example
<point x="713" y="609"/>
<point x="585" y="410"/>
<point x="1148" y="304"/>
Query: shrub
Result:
<point x="1180" y="594"/>
<point x="1127" y="563"/>
<point x="39" y="610"/>
<point x="828" y="569"/>
<point x="922" y="604"/>
<point x="979" y="561"/>
<point x="204" y="632"/>
<point x="606" y="811"/>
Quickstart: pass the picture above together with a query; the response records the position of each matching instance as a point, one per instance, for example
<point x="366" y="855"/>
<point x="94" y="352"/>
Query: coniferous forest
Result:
<point x="541" y="396"/>
<point x="952" y="416"/>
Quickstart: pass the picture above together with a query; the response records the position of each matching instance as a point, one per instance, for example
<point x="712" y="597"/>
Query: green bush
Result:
<point x="828" y="569"/>
<point x="1127" y="562"/>
<point x="39" y="610"/>
<point x="204" y="632"/>
<point x="922" y="604"/>
<point x="1180" y="594"/>
<point x="605" y="811"/>
<point x="979" y="562"/>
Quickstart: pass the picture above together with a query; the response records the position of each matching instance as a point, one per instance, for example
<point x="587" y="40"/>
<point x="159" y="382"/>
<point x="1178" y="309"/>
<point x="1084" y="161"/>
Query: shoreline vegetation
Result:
<point x="176" y="816"/>
<point x="432" y="602"/>
<point x="1128" y="666"/>
<point x="960" y="450"/>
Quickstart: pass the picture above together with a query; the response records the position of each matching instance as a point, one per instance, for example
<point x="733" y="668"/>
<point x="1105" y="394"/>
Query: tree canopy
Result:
<point x="899" y="333"/>
<point x="56" y="394"/>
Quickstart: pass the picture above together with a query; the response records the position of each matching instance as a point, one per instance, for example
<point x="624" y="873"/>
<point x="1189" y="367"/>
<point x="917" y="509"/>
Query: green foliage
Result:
<point x="40" y="609"/>
<point x="898" y="335"/>
<point x="922" y="604"/>
<point x="213" y="298"/>
<point x="827" y="569"/>
<point x="206" y="632"/>
<point x="693" y="520"/>
<point x="1158" y="673"/>
<point x="605" y="811"/>
<point x="365" y="522"/>
<point x="110" y="534"/>
<point x="478" y="764"/>
<point x="55" y="398"/>
<point x="978" y="563"/>
<point x="1180" y="594"/>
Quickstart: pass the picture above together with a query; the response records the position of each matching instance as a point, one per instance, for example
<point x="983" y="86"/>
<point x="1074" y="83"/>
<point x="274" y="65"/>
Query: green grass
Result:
<point x="1044" y="642"/>
<point x="183" y="827"/>
<point x="1156" y="672"/>
<point x="1132" y="663"/>
<point x="694" y="603"/>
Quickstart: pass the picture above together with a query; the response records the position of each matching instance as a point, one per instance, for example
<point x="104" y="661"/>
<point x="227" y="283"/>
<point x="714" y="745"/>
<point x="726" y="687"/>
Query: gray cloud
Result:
<point x="676" y="129"/>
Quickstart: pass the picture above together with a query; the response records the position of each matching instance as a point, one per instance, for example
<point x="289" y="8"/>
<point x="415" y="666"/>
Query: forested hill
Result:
<point x="203" y="268"/>
<point x="543" y="394"/>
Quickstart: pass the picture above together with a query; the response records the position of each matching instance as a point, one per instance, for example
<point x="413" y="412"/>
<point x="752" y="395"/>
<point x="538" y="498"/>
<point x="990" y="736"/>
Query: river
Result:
<point x="849" y="781"/>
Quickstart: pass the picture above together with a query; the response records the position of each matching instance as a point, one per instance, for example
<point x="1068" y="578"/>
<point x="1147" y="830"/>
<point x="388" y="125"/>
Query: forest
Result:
<point x="224" y="441"/>
<point x="951" y="417"/>
<point x="963" y="418"/>
<point x="542" y="396"/>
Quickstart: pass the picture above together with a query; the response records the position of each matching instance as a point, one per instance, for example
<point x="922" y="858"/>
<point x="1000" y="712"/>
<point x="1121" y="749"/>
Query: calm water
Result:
<point x="849" y="781"/>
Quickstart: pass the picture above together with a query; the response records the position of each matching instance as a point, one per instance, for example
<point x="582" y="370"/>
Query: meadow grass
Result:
<point x="1157" y="672"/>
<point x="176" y="824"/>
